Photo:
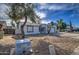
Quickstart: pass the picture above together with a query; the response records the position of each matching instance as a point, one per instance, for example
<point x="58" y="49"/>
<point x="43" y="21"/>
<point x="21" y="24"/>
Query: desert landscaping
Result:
<point x="28" y="29"/>
<point x="64" y="44"/>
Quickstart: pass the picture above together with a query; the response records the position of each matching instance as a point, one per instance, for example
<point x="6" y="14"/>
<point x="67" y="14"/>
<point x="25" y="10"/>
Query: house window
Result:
<point x="29" y="28"/>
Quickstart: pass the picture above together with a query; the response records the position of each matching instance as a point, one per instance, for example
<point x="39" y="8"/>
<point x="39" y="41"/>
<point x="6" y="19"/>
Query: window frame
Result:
<point x="31" y="27"/>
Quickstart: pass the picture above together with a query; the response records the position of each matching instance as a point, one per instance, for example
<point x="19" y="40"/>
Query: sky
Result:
<point x="52" y="12"/>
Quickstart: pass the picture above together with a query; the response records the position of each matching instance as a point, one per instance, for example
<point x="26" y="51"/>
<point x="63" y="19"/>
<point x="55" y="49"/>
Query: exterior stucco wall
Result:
<point x="35" y="29"/>
<point x="53" y="29"/>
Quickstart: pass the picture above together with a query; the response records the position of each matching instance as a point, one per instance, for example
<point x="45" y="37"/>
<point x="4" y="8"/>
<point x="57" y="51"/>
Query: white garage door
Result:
<point x="52" y="30"/>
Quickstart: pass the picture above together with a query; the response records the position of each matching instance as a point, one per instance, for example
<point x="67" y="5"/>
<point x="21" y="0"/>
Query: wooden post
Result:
<point x="1" y="31"/>
<point x="12" y="51"/>
<point x="52" y="50"/>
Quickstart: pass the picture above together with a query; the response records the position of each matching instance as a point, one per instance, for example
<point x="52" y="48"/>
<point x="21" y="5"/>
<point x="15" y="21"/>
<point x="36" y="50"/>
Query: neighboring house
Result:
<point x="32" y="28"/>
<point x="68" y="28"/>
<point x="75" y="29"/>
<point x="3" y="23"/>
<point x="8" y="29"/>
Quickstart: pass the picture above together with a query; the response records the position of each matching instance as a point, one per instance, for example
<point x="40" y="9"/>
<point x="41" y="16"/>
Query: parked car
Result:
<point x="23" y="46"/>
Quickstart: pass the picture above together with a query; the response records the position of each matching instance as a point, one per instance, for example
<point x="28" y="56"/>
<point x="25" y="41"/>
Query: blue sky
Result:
<point x="52" y="12"/>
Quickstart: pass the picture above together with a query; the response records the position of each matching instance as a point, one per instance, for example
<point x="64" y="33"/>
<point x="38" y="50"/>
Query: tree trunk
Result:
<point x="49" y="31"/>
<point x="59" y="29"/>
<point x="22" y="28"/>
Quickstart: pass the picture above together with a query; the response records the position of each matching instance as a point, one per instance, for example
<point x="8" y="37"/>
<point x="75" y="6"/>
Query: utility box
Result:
<point x="23" y="46"/>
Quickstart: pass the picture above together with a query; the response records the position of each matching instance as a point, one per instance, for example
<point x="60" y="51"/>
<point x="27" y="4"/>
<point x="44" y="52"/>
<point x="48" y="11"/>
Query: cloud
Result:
<point x="43" y="6"/>
<point x="40" y="14"/>
<point x="51" y="7"/>
<point x="46" y="21"/>
<point x="57" y="6"/>
<point x="3" y="9"/>
<point x="54" y="7"/>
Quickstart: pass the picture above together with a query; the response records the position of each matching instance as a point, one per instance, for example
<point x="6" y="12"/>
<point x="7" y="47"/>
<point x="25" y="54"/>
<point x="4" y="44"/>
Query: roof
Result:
<point x="3" y="22"/>
<point x="38" y="20"/>
<point x="34" y="24"/>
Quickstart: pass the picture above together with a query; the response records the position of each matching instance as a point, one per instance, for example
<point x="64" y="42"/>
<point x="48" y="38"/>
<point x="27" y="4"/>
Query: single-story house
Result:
<point x="3" y="23"/>
<point x="34" y="28"/>
<point x="8" y="29"/>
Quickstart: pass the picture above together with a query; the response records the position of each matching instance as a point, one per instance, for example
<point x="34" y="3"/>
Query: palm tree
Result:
<point x="59" y="24"/>
<point x="64" y="26"/>
<point x="18" y="11"/>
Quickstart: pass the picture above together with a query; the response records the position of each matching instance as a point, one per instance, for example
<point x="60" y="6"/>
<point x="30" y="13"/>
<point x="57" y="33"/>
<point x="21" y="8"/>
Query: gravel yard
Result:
<point x="63" y="45"/>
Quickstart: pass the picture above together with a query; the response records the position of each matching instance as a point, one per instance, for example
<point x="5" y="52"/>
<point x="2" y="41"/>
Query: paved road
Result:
<point x="72" y="35"/>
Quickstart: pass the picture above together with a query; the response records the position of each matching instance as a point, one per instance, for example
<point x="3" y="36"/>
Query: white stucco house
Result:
<point x="33" y="28"/>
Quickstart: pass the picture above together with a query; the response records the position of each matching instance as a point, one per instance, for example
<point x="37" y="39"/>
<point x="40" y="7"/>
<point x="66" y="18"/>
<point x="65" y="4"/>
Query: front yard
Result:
<point x="40" y="43"/>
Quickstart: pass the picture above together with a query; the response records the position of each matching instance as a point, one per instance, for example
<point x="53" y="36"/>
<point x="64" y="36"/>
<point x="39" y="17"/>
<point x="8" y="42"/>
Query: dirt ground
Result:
<point x="64" y="44"/>
<point x="74" y="35"/>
